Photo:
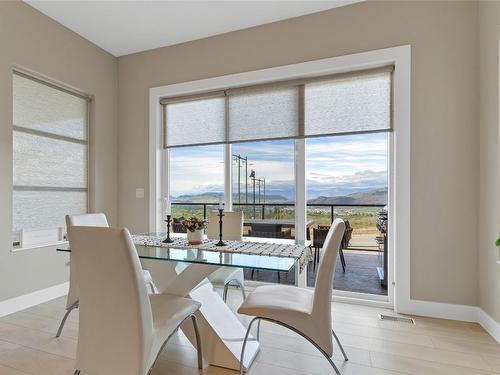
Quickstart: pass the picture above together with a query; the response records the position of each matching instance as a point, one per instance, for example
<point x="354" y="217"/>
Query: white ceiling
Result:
<point x="124" y="27"/>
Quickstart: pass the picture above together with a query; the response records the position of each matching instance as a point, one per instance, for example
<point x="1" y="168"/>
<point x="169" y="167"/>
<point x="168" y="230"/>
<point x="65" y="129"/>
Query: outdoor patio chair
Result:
<point x="177" y="226"/>
<point x="319" y="236"/>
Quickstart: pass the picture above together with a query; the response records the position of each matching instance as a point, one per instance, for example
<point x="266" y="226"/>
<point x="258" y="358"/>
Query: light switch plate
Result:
<point x="139" y="193"/>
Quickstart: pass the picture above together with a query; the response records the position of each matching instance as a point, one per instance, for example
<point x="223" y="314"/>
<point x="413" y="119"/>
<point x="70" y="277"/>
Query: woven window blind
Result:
<point x="50" y="150"/>
<point x="264" y="114"/>
<point x="345" y="103"/>
<point x="348" y="105"/>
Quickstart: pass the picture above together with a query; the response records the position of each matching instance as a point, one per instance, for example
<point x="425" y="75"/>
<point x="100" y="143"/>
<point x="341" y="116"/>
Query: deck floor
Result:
<point x="360" y="274"/>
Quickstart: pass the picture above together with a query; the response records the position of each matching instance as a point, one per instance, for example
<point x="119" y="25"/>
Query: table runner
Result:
<point x="300" y="252"/>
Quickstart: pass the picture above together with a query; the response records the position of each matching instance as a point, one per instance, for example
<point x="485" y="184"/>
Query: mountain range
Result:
<point x="375" y="196"/>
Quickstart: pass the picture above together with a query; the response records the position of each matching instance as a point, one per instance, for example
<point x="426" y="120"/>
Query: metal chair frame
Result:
<point x="238" y="284"/>
<point x="76" y="304"/>
<point x="198" y="345"/>
<point x="258" y="319"/>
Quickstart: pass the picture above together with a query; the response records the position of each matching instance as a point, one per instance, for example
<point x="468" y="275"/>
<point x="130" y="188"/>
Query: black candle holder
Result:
<point x="168" y="239"/>
<point x="221" y="214"/>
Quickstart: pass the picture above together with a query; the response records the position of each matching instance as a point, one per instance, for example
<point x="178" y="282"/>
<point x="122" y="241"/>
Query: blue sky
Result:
<point x="335" y="165"/>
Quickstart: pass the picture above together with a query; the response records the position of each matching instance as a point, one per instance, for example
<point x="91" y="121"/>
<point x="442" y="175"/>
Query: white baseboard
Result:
<point x="31" y="299"/>
<point x="465" y="313"/>
<point x="489" y="324"/>
<point x="441" y="310"/>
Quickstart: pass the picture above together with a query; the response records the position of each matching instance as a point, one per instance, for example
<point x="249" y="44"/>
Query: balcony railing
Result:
<point x="259" y="209"/>
<point x="363" y="217"/>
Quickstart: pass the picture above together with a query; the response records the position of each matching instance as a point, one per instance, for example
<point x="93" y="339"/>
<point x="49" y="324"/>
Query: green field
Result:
<point x="362" y="219"/>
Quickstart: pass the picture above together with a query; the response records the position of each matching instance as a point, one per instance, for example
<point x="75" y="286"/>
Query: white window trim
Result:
<point x="399" y="149"/>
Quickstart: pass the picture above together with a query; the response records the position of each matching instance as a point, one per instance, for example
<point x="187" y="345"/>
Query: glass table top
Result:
<point x="211" y="257"/>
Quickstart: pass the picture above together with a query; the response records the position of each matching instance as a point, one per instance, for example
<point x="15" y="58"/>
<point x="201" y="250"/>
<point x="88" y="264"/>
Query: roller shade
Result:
<point x="49" y="152"/>
<point x="199" y="121"/>
<point x="263" y="114"/>
<point x="348" y="105"/>
<point x="344" y="103"/>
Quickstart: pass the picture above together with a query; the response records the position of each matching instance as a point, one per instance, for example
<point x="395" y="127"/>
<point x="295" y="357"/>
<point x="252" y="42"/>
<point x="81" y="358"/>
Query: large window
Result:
<point x="347" y="177"/>
<point x="196" y="179"/>
<point x="50" y="148"/>
<point x="262" y="128"/>
<point x="264" y="186"/>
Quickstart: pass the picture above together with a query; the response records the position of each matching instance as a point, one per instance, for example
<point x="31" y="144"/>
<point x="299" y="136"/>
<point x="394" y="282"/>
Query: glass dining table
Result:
<point x="183" y="270"/>
<point x="215" y="256"/>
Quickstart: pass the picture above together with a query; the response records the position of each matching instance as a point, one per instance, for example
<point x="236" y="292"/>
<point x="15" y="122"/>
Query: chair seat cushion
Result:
<point x="168" y="312"/>
<point x="226" y="274"/>
<point x="278" y="301"/>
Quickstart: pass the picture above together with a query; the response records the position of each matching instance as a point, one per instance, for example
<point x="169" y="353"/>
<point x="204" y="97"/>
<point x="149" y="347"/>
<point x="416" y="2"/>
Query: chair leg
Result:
<point x="279" y="278"/>
<point x="340" y="345"/>
<point x="299" y="333"/>
<point x="63" y="321"/>
<point x="342" y="259"/>
<point x="198" y="342"/>
<point x="241" y="286"/>
<point x="258" y="330"/>
<point x="224" y="294"/>
<point x="245" y="344"/>
<point x="238" y="284"/>
<point x="153" y="288"/>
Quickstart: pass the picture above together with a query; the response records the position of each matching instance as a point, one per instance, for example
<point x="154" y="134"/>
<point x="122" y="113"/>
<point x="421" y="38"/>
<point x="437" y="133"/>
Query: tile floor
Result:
<point x="432" y="346"/>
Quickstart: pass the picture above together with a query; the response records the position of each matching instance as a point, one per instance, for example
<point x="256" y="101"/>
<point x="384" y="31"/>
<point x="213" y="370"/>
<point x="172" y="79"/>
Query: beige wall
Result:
<point x="489" y="220"/>
<point x="32" y="40"/>
<point x="445" y="155"/>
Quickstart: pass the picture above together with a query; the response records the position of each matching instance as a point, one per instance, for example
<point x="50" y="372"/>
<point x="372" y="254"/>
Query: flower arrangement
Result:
<point x="194" y="223"/>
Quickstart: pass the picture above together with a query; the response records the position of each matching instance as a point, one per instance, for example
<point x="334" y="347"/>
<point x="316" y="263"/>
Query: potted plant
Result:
<point x="195" y="228"/>
<point x="498" y="242"/>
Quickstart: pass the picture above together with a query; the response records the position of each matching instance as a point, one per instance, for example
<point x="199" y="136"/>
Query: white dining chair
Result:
<point x="232" y="230"/>
<point x="304" y="311"/>
<point x="90" y="220"/>
<point x="122" y="329"/>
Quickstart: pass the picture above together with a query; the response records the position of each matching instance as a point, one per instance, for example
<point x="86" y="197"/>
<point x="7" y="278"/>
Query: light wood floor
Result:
<point x="432" y="346"/>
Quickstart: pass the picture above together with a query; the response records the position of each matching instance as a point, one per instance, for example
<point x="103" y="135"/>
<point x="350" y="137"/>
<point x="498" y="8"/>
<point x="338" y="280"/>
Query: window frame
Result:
<point x="399" y="149"/>
<point x="43" y="80"/>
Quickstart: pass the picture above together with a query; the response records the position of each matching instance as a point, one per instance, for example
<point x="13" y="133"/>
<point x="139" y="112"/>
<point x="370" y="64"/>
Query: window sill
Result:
<point x="38" y="246"/>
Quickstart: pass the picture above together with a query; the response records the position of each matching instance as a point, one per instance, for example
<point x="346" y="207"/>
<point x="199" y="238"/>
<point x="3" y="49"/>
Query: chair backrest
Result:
<point x="324" y="277"/>
<point x="232" y="226"/>
<point x="89" y="220"/>
<point x="319" y="236"/>
<point x="115" y="324"/>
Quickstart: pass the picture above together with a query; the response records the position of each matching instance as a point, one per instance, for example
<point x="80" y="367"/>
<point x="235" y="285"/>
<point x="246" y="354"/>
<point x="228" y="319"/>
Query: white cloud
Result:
<point x="335" y="165"/>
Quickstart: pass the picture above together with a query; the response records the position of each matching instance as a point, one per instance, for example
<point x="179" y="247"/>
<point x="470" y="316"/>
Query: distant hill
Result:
<point x="213" y="197"/>
<point x="377" y="196"/>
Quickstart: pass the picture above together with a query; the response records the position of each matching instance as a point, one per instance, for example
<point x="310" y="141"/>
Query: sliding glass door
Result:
<point x="347" y="177"/>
